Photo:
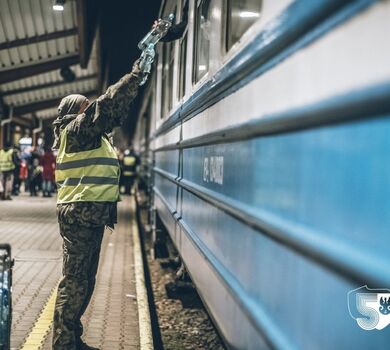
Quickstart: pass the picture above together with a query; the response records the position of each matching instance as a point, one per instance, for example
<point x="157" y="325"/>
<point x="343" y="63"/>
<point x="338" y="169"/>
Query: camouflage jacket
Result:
<point x="84" y="132"/>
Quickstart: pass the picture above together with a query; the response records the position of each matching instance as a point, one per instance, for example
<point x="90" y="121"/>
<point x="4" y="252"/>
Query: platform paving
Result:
<point x="29" y="225"/>
<point x="111" y="320"/>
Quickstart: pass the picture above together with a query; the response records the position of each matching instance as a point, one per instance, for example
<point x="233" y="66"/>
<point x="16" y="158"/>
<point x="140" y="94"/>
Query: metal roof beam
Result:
<point x="38" y="38"/>
<point x="46" y="85"/>
<point x="86" y="25"/>
<point x="24" y="71"/>
<point x="82" y="31"/>
<point x="45" y="104"/>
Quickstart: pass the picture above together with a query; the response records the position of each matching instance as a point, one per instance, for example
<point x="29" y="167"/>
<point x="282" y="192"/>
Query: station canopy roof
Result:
<point x="35" y="44"/>
<point x="46" y="54"/>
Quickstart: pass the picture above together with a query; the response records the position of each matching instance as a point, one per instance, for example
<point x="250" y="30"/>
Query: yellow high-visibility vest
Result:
<point x="128" y="165"/>
<point x="129" y="160"/>
<point x="87" y="176"/>
<point x="6" y="163"/>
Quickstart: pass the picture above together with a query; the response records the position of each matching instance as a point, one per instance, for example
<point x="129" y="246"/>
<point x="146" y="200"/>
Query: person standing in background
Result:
<point x="16" y="180"/>
<point x="34" y="173"/>
<point x="23" y="175"/>
<point x="128" y="169"/>
<point x="7" y="166"/>
<point x="48" y="163"/>
<point x="25" y="167"/>
<point x="35" y="177"/>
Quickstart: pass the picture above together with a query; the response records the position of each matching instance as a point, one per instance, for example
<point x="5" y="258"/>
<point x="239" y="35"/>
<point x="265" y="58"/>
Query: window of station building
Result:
<point x="241" y="14"/>
<point x="202" y="39"/>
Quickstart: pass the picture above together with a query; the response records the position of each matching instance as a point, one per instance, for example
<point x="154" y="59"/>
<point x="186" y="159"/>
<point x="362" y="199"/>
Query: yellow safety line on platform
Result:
<point x="145" y="329"/>
<point x="42" y="326"/>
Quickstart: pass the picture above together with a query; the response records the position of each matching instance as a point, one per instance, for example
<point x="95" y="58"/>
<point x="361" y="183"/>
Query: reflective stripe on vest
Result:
<point x="87" y="176"/>
<point x="6" y="163"/>
<point x="128" y="173"/>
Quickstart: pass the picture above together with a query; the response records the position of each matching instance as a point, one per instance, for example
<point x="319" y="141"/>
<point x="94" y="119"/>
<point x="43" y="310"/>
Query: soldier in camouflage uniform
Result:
<point x="82" y="223"/>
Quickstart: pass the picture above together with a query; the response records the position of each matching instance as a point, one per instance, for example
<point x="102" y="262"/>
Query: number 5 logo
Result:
<point x="364" y="305"/>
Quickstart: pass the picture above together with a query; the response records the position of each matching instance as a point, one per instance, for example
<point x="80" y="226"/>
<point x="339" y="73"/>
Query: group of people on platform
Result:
<point x="30" y="167"/>
<point x="33" y="169"/>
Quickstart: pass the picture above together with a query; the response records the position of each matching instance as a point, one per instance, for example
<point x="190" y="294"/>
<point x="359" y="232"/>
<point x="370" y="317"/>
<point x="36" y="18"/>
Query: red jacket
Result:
<point x="48" y="162"/>
<point x="23" y="173"/>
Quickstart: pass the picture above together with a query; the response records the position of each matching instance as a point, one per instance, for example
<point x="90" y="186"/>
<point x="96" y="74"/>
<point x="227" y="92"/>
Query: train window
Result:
<point x="202" y="39"/>
<point x="164" y="80"/>
<point x="167" y="78"/>
<point x="183" y="64"/>
<point x="241" y="15"/>
<point x="171" y="57"/>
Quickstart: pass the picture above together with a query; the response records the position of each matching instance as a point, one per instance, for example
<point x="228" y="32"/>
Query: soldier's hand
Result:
<point x="156" y="22"/>
<point x="136" y="68"/>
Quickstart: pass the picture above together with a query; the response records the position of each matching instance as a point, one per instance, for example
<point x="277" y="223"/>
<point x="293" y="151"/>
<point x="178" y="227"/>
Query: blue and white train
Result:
<point x="268" y="134"/>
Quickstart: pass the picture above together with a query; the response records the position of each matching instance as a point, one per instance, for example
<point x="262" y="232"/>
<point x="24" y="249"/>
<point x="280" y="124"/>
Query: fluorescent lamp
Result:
<point x="248" y="14"/>
<point x="58" y="5"/>
<point x="202" y="67"/>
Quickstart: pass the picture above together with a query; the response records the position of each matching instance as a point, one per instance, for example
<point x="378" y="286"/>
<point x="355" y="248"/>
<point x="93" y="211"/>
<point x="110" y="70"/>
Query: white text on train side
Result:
<point x="213" y="169"/>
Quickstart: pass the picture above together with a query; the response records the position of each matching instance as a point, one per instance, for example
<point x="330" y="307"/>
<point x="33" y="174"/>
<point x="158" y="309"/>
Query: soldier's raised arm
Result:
<point x="113" y="107"/>
<point x="110" y="109"/>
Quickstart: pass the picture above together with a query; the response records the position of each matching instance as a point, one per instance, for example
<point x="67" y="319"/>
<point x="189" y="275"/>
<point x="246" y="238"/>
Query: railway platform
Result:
<point x="112" y="319"/>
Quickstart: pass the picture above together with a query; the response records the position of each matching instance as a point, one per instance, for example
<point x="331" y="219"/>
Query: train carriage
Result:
<point x="264" y="133"/>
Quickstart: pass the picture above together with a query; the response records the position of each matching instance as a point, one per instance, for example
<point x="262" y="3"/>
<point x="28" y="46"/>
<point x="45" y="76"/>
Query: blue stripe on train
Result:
<point x="332" y="180"/>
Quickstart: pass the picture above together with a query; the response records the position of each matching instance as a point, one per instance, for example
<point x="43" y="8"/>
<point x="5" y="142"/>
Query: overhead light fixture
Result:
<point x="249" y="14"/>
<point x="67" y="74"/>
<point x="58" y="5"/>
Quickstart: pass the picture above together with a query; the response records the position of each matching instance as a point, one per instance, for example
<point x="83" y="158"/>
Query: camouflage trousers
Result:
<point x="81" y="249"/>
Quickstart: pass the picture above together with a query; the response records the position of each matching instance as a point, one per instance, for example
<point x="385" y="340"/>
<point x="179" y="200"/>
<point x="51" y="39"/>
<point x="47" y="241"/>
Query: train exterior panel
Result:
<point x="270" y="166"/>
